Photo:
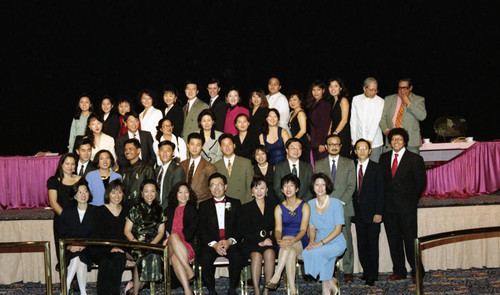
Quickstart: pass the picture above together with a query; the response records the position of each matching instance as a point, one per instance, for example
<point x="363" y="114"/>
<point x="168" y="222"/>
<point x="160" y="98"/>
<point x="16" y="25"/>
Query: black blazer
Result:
<point x="246" y="148"/>
<point x="174" y="175"/>
<point x="189" y="221"/>
<point x="219" y="108"/>
<point x="257" y="122"/>
<point x="113" y="125"/>
<point x="402" y="192"/>
<point x="71" y="226"/>
<point x="253" y="223"/>
<point x="148" y="154"/>
<point x="176" y="116"/>
<point x="371" y="199"/>
<point x="305" y="174"/>
<point x="208" y="226"/>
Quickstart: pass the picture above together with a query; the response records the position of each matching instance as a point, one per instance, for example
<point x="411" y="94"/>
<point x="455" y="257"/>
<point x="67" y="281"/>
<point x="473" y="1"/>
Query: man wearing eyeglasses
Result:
<point x="366" y="113"/>
<point x="404" y="110"/>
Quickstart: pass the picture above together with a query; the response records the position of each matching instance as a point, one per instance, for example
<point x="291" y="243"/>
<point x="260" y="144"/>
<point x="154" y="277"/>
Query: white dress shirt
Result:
<point x="278" y="101"/>
<point x="400" y="155"/>
<point x="290" y="163"/>
<point x="229" y="159"/>
<point x="365" y="164"/>
<point x="196" y="163"/>
<point x="81" y="166"/>
<point x="365" y="119"/>
<point x="150" y="120"/>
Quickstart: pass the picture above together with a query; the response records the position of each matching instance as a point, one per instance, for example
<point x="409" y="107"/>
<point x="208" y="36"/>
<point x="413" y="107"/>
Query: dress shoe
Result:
<point x="370" y="282"/>
<point x="272" y="286"/>
<point x="308" y="278"/>
<point x="348" y="277"/>
<point x="394" y="277"/>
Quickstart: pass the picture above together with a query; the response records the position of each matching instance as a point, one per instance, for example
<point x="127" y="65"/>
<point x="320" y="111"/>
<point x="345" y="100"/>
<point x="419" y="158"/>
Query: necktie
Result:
<point x="294" y="169"/>
<point x="229" y="167"/>
<point x="160" y="176"/>
<point x="187" y="108"/>
<point x="334" y="170"/>
<point x="190" y="173"/>
<point x="221" y="201"/>
<point x="360" y="178"/>
<point x="135" y="136"/>
<point x="399" y="117"/>
<point x="222" y="232"/>
<point x="81" y="170"/>
<point x="394" y="165"/>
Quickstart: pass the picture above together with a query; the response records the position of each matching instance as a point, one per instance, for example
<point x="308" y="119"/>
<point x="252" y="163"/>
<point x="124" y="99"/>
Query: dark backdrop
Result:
<point x="53" y="51"/>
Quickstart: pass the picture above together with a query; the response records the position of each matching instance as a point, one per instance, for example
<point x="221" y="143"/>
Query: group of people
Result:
<point x="217" y="179"/>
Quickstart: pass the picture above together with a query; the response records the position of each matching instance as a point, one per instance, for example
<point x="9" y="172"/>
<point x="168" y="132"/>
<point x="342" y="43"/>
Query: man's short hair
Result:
<point x="191" y="82"/>
<point x="332" y="136"/>
<point x="398" y="131"/>
<point x="368" y="81"/>
<point x="134" y="141"/>
<point x="363" y="140"/>
<point x="82" y="140"/>
<point x="406" y="80"/>
<point x="166" y="142"/>
<point x="131" y="113"/>
<point x="196" y="135"/>
<point x="224" y="136"/>
<point x="217" y="175"/>
<point x="214" y="81"/>
<point x="292" y="140"/>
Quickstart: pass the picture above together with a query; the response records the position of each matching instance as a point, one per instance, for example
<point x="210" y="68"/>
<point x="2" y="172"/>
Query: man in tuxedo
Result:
<point x="237" y="170"/>
<point x="169" y="173"/>
<point x="404" y="181"/>
<point x="301" y="169"/>
<point x="83" y="148"/>
<point x="219" y="233"/>
<point x="404" y="110"/>
<point x="277" y="100"/>
<point x="217" y="104"/>
<point x="134" y="173"/>
<point x="145" y="139"/>
<point x="368" y="200"/>
<point x="191" y="110"/>
<point x="343" y="175"/>
<point x="196" y="168"/>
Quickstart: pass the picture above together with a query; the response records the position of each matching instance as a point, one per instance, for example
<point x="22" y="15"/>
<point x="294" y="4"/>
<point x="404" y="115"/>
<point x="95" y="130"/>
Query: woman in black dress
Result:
<point x="77" y="222"/>
<point x="108" y="114"/>
<point x="244" y="144"/>
<point x="259" y="107"/>
<point x="59" y="187"/>
<point x="298" y="124"/>
<point x="264" y="168"/>
<point x="109" y="222"/>
<point x="339" y="114"/>
<point x="173" y="111"/>
<point x="257" y="221"/>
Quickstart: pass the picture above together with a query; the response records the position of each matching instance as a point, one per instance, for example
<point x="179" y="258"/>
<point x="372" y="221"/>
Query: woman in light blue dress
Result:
<point x="325" y="233"/>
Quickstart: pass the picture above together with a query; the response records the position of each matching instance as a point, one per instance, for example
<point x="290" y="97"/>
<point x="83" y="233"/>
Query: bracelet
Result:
<point x="322" y="243"/>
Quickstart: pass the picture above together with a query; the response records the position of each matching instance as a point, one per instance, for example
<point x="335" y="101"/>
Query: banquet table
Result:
<point x="443" y="151"/>
<point x="474" y="172"/>
<point x="23" y="181"/>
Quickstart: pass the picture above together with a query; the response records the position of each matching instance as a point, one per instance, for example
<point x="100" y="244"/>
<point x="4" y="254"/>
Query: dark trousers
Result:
<point x="109" y="277"/>
<point x="367" y="235"/>
<point x="401" y="230"/>
<point x="207" y="258"/>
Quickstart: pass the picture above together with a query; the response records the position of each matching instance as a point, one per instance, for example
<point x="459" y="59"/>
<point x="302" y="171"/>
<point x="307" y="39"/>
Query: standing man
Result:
<point x="219" y="233"/>
<point x="301" y="169"/>
<point x="168" y="173"/>
<point x="237" y="170"/>
<point x="404" y="110"/>
<point x="343" y="175"/>
<point x="366" y="113"/>
<point x="368" y="200"/>
<point x="144" y="138"/>
<point x="217" y="104"/>
<point x="404" y="183"/>
<point x="83" y="147"/>
<point x="196" y="168"/>
<point x="278" y="101"/>
<point x="192" y="109"/>
<point x="134" y="173"/>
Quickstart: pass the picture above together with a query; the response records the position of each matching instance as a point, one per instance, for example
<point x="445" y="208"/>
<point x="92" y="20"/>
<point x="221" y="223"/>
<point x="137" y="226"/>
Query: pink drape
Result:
<point x="474" y="172"/>
<point x="23" y="181"/>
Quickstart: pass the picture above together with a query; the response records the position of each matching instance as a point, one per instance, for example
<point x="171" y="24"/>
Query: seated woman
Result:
<point x="242" y="140"/>
<point x="79" y="123"/>
<point x="77" y="222"/>
<point x="291" y="219"/>
<point x="211" y="149"/>
<point x="150" y="116"/>
<point x="109" y="222"/>
<point x="145" y="223"/>
<point x="99" y="179"/>
<point x="325" y="233"/>
<point x="166" y="132"/>
<point x="262" y="167"/>
<point x="274" y="137"/>
<point x="99" y="139"/>
<point x="182" y="221"/>
<point x="109" y="117"/>
<point x="257" y="218"/>
<point x="233" y="100"/>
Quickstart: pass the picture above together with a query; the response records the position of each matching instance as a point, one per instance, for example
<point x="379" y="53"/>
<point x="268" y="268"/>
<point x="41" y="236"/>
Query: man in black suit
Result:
<point x="217" y="104"/>
<point x="219" y="233"/>
<point x="83" y="148"/>
<point x="147" y="155"/>
<point x="169" y="173"/>
<point x="404" y="182"/>
<point x="301" y="169"/>
<point x="368" y="200"/>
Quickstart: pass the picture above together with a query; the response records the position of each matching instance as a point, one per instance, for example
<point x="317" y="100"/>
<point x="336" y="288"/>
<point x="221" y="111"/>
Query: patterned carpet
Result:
<point x="458" y="281"/>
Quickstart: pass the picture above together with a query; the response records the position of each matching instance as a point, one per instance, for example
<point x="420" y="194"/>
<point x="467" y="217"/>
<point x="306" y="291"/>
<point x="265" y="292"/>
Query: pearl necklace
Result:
<point x="324" y="204"/>
<point x="262" y="167"/>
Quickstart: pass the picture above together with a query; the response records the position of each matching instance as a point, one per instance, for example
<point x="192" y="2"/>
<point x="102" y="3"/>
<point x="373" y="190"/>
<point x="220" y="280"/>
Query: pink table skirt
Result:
<point x="474" y="172"/>
<point x="23" y="181"/>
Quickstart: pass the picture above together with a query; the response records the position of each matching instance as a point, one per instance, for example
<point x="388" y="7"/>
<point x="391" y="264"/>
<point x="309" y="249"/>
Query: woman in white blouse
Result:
<point x="99" y="139"/>
<point x="165" y="132"/>
<point x="150" y="116"/>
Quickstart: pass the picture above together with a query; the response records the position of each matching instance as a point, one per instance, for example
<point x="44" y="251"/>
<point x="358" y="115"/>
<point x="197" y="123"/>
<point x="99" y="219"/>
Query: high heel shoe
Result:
<point x="272" y="286"/>
<point x="334" y="286"/>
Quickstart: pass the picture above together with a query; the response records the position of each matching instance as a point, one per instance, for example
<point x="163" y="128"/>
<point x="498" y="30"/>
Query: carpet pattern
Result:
<point x="457" y="281"/>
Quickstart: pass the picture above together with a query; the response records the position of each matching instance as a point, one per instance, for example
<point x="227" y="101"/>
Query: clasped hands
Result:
<point x="285" y="243"/>
<point x="266" y="242"/>
<point x="221" y="247"/>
